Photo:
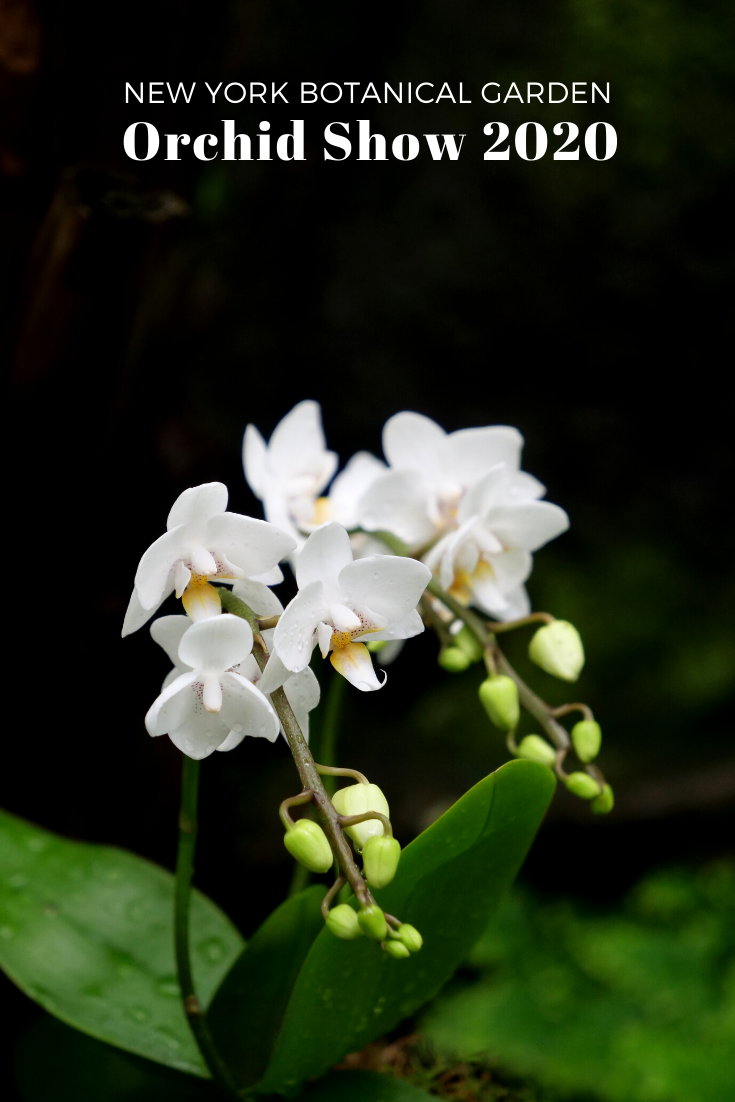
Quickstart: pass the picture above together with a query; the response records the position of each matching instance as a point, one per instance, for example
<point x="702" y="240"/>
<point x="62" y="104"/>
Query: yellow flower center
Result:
<point x="340" y="639"/>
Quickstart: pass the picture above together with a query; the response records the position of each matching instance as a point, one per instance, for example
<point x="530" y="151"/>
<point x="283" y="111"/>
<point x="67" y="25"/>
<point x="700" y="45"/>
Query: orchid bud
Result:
<point x="372" y="922"/>
<point x="557" y="648"/>
<point x="605" y="802"/>
<point x="397" y="950"/>
<point x="499" y="698"/>
<point x="535" y="748"/>
<point x="410" y="937"/>
<point x="380" y="857"/>
<point x="356" y="799"/>
<point x="582" y="785"/>
<point x="342" y="922"/>
<point x="587" y="737"/>
<point x="468" y="642"/>
<point x="454" y="659"/>
<point x="307" y="842"/>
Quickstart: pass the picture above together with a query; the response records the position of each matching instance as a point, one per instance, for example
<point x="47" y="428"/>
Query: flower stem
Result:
<point x="182" y="898"/>
<point x="305" y="764"/>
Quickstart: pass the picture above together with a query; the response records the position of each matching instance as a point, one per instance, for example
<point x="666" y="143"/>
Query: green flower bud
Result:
<point x="376" y="645"/>
<point x="583" y="785"/>
<point x="535" y="748"/>
<point x="454" y="659"/>
<point x="356" y="799"/>
<point x="397" y="950"/>
<point x="468" y="642"/>
<point x="372" y="922"/>
<point x="410" y="937"/>
<point x="499" y="698"/>
<point x="342" y="922"/>
<point x="605" y="802"/>
<point x="380" y="857"/>
<point x="307" y="842"/>
<point x="557" y="648"/>
<point x="587" y="737"/>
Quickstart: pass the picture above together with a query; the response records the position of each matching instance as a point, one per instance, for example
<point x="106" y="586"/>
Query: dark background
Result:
<point x="149" y="311"/>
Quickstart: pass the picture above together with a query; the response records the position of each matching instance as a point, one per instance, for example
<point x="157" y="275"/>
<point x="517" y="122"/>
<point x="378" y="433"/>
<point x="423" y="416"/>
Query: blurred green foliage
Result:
<point x="635" y="1005"/>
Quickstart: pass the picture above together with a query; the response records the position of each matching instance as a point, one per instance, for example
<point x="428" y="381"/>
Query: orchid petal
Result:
<point x="253" y="545"/>
<point x="136" y="615"/>
<point x="201" y="602"/>
<point x="528" y="525"/>
<point x="297" y="439"/>
<point x="274" y="675"/>
<point x="233" y="740"/>
<point x="343" y="618"/>
<point x="402" y="629"/>
<point x="246" y="710"/>
<point x="197" y="505"/>
<point x="524" y="487"/>
<point x="182" y="577"/>
<point x="353" y="662"/>
<point x="202" y="562"/>
<point x="201" y="734"/>
<point x="302" y="692"/>
<point x="167" y="631"/>
<point x="172" y="706"/>
<point x="412" y="442"/>
<point x="350" y="485"/>
<point x="214" y="645"/>
<point x="258" y="597"/>
<point x="511" y="569"/>
<point x="470" y="453"/>
<point x="324" y="637"/>
<point x="294" y="633"/>
<point x="487" y="491"/>
<point x="324" y="554"/>
<point x="152" y="575"/>
<point x="211" y="692"/>
<point x="254" y="460"/>
<point x="389" y="584"/>
<point x="397" y="503"/>
<point x="269" y="577"/>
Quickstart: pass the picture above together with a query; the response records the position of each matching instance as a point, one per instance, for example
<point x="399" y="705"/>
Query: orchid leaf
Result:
<point x="449" y="882"/>
<point x="247" y="1011"/>
<point x="87" y="932"/>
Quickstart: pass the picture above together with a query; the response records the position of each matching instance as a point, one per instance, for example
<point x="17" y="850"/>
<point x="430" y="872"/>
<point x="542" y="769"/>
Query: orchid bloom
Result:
<point x="302" y="689"/>
<point x="289" y="472"/>
<point x="430" y="471"/>
<point x="339" y="603"/>
<point x="201" y="708"/>
<point x="488" y="558"/>
<point x="202" y="543"/>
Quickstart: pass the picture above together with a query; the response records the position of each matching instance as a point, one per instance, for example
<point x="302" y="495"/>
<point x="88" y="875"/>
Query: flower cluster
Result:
<point x="457" y="503"/>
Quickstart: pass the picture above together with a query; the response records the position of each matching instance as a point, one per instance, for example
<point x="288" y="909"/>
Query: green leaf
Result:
<point x="364" y="1086"/>
<point x="247" y="1011"/>
<point x="449" y="881"/>
<point x="87" y="931"/>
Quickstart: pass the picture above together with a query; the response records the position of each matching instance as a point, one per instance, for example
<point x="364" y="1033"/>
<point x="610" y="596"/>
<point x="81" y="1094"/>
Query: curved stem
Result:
<point x="511" y="625"/>
<point x="353" y="820"/>
<point x="338" y="771"/>
<point x="182" y="897"/>
<point x="305" y="764"/>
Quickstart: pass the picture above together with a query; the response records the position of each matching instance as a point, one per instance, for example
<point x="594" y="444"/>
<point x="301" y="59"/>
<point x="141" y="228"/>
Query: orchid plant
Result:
<point x="439" y="536"/>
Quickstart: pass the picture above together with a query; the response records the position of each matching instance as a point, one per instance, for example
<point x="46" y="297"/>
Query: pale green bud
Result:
<point x="307" y="842"/>
<point x="342" y="922"/>
<point x="372" y="922"/>
<point x="410" y="937"/>
<point x="605" y="802"/>
<point x="499" y="698"/>
<point x="587" y="737"/>
<point x="468" y="642"/>
<point x="583" y="785"/>
<point x="380" y="857"/>
<point x="376" y="645"/>
<point x="535" y="748"/>
<point x="356" y="799"/>
<point x="397" y="950"/>
<point x="454" y="659"/>
<point x="557" y="648"/>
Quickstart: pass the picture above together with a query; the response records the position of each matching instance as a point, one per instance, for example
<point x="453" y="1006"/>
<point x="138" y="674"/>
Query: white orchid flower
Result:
<point x="488" y="558"/>
<point x="203" y="542"/>
<point x="289" y="472"/>
<point x="209" y="700"/>
<point x="302" y="689"/>
<point x="339" y="603"/>
<point x="430" y="471"/>
<point x="350" y="486"/>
